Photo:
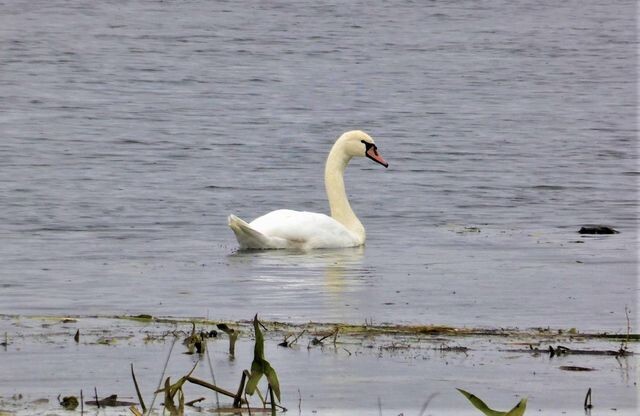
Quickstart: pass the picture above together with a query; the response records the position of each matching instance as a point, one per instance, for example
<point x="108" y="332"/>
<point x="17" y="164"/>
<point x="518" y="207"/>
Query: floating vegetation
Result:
<point x="142" y="317"/>
<point x="562" y="351"/>
<point x="105" y="341"/>
<point x="69" y="402"/>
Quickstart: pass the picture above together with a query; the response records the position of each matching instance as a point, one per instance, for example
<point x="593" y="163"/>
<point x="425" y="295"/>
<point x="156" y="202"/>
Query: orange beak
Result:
<point x="372" y="153"/>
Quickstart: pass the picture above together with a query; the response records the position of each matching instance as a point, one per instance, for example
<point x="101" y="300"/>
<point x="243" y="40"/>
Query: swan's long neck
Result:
<point x="334" y="184"/>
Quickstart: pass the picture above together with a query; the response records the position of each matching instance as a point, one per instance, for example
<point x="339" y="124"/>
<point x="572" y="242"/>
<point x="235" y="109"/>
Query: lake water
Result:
<point x="130" y="130"/>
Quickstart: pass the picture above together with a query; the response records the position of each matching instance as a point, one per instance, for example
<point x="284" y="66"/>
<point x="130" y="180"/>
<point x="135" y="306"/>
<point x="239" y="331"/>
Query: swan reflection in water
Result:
<point x="332" y="271"/>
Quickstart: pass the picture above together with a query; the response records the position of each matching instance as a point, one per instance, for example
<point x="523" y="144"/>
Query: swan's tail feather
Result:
<point x="247" y="236"/>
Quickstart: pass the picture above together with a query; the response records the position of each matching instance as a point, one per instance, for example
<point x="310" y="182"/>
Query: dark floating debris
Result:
<point x="192" y="403"/>
<point x="111" y="401"/>
<point x="575" y="368"/>
<point x="561" y="350"/>
<point x="597" y="229"/>
<point x="69" y="402"/>
<point x="288" y="344"/>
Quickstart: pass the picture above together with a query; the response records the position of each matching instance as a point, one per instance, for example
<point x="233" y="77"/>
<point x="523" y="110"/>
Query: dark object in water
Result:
<point x="111" y="401"/>
<point x="575" y="368"/>
<point x="587" y="401"/>
<point x="69" y="402"/>
<point x="597" y="229"/>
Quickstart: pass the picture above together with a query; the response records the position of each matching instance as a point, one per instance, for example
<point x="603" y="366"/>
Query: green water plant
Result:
<point x="174" y="397"/>
<point x="171" y="390"/>
<point x="261" y="367"/>
<point x="518" y="410"/>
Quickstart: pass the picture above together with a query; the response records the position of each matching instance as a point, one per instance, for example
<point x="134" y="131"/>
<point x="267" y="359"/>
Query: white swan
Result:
<point x="285" y="228"/>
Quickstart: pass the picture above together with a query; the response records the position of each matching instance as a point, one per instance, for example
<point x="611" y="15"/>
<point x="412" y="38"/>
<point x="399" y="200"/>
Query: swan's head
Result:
<point x="357" y="143"/>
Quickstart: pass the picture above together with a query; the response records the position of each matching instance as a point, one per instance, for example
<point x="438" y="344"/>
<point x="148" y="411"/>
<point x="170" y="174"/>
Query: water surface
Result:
<point x="129" y="131"/>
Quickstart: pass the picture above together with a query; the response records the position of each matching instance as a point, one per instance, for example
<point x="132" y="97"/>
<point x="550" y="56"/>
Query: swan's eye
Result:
<point x="368" y="147"/>
<point x="371" y="151"/>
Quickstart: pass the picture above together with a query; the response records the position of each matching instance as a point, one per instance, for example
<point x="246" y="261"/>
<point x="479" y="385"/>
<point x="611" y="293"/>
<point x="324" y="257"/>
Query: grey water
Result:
<point x="348" y="379"/>
<point x="130" y="130"/>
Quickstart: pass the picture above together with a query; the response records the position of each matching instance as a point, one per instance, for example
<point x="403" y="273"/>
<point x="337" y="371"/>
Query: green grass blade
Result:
<point x="254" y="377"/>
<point x="258" y="350"/>
<point x="480" y="405"/>
<point x="272" y="377"/>
<point x="519" y="409"/>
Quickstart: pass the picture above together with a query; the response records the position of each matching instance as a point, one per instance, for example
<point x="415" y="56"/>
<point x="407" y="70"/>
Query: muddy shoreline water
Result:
<point x="325" y="368"/>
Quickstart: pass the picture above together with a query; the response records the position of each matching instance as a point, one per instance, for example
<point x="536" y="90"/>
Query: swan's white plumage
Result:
<point x="286" y="228"/>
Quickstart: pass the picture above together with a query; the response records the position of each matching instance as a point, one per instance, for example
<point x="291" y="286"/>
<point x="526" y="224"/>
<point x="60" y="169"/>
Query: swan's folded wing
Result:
<point x="305" y="229"/>
<point x="250" y="238"/>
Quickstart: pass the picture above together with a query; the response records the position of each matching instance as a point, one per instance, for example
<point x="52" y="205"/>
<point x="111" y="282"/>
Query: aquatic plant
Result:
<point x="195" y="342"/>
<point x="518" y="410"/>
<point x="171" y="390"/>
<point x="69" y="402"/>
<point x="261" y="367"/>
<point x="233" y="337"/>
